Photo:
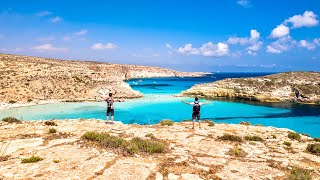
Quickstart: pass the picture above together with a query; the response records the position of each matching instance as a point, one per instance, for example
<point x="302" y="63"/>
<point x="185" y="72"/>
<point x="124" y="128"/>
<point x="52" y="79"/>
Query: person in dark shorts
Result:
<point x="195" y="110"/>
<point x="110" y="108"/>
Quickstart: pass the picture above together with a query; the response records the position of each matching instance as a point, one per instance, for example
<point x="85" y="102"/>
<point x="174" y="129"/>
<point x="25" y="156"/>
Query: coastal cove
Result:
<point x="159" y="103"/>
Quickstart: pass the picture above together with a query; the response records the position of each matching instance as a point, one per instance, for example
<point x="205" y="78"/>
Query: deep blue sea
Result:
<point x="159" y="103"/>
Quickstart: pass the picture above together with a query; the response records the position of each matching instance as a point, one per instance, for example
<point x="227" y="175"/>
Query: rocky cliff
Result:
<point x="290" y="86"/>
<point x="31" y="79"/>
<point x="32" y="150"/>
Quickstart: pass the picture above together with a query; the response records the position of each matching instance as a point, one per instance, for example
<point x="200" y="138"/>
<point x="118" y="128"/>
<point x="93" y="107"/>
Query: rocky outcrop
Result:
<point x="32" y="79"/>
<point x="191" y="154"/>
<point x="290" y="86"/>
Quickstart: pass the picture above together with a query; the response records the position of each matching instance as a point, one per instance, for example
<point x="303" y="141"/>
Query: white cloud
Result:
<point x="48" y="47"/>
<point x="280" y="31"/>
<point x="207" y="49"/>
<point x="281" y="45"/>
<point x="81" y="33"/>
<point x="244" y="3"/>
<point x="253" y="41"/>
<point x="44" y="13"/>
<point x="255" y="47"/>
<point x="56" y="19"/>
<point x="306" y="44"/>
<point x="156" y="55"/>
<point x="308" y="19"/>
<point x="316" y="41"/>
<point x="101" y="46"/>
<point x="168" y="46"/>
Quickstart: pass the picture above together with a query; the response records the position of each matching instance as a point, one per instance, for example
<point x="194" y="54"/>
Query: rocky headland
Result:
<point x="91" y="149"/>
<point x="299" y="87"/>
<point x="29" y="80"/>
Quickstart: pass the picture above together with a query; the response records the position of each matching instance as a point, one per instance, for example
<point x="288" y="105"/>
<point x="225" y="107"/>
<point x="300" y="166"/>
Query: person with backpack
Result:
<point x="110" y="108"/>
<point x="195" y="110"/>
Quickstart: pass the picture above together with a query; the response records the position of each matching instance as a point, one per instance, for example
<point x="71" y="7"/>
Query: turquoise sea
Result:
<point x="159" y="103"/>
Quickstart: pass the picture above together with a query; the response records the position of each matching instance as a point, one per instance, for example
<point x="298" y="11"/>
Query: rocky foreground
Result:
<point x="189" y="154"/>
<point x="26" y="79"/>
<point x="283" y="87"/>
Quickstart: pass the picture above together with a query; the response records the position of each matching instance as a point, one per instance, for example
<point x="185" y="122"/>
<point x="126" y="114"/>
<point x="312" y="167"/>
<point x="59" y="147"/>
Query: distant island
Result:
<point x="301" y="87"/>
<point x="27" y="79"/>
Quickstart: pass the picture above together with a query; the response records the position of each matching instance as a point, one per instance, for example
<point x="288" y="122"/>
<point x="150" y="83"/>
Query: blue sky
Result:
<point x="202" y="35"/>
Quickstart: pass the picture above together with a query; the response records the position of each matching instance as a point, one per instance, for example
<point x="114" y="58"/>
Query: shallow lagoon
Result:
<point x="159" y="103"/>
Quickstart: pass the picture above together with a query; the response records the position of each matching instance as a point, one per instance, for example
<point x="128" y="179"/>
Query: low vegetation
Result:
<point x="314" y="148"/>
<point x="11" y="120"/>
<point x="210" y="122"/>
<point x="237" y="151"/>
<point x="253" y="138"/>
<point x="274" y="136"/>
<point x="287" y="143"/>
<point x="52" y="130"/>
<point x="308" y="135"/>
<point x="294" y="135"/>
<point x="32" y="159"/>
<point x="150" y="135"/>
<point x="133" y="146"/>
<point x="12" y="101"/>
<point x="299" y="174"/>
<point x="187" y="120"/>
<point x="4" y="158"/>
<point x="166" y="122"/>
<point x="261" y="125"/>
<point x="245" y="123"/>
<point x="29" y="100"/>
<point x="50" y="123"/>
<point x="56" y="161"/>
<point x="316" y="139"/>
<point x="230" y="137"/>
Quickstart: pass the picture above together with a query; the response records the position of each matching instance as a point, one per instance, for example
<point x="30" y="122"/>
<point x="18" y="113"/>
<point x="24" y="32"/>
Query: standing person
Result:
<point x="195" y="110"/>
<point x="110" y="108"/>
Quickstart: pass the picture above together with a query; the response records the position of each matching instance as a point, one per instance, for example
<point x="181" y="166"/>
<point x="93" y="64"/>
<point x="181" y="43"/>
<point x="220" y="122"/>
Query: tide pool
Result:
<point x="159" y="103"/>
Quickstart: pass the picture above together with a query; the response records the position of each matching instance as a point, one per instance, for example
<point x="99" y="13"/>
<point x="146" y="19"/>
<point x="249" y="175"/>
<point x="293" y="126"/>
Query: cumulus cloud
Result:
<point x="81" y="32"/>
<point x="168" y="46"/>
<point x="48" y="47"/>
<point x="306" y="44"/>
<point x="44" y="13"/>
<point x="207" y="49"/>
<point x="56" y="19"/>
<point x="281" y="45"/>
<point x="280" y="31"/>
<point x="307" y="19"/>
<point x="244" y="3"/>
<point x="316" y="41"/>
<point x="253" y="41"/>
<point x="101" y="46"/>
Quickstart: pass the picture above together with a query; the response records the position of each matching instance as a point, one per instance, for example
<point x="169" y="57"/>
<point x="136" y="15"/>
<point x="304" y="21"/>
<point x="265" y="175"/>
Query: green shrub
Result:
<point x="245" y="123"/>
<point x="294" y="135"/>
<point x="299" y="174"/>
<point x="56" y="161"/>
<point x="166" y="123"/>
<point x="12" y="101"/>
<point x="287" y="143"/>
<point x="11" y="120"/>
<point x="314" y="148"/>
<point x="305" y="134"/>
<point x="32" y="159"/>
<point x="259" y="125"/>
<point x="230" y="137"/>
<point x="148" y="146"/>
<point x="150" y="135"/>
<point x="253" y="138"/>
<point x="274" y="136"/>
<point x="236" y="151"/>
<point x="29" y="100"/>
<point x="210" y="122"/>
<point x="316" y="139"/>
<point x="186" y="120"/>
<point x="50" y="123"/>
<point x="133" y="146"/>
<point x="52" y="130"/>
